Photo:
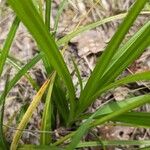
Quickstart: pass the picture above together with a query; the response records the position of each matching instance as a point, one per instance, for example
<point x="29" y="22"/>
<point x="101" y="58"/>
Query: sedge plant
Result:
<point x="59" y="91"/>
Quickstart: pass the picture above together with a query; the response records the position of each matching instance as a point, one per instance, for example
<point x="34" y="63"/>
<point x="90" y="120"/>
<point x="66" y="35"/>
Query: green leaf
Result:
<point x="40" y="7"/>
<point x="47" y="64"/>
<point x="38" y="147"/>
<point x="61" y="102"/>
<point x="114" y="143"/>
<point x="34" y="23"/>
<point x="36" y="100"/>
<point x="46" y="125"/>
<point x="116" y="109"/>
<point x="3" y="143"/>
<point x="21" y="112"/>
<point x="91" y="26"/>
<point x="119" y="108"/>
<point x="145" y="148"/>
<point x="125" y="80"/>
<point x="62" y="5"/>
<point x="127" y="54"/>
<point x="13" y="62"/>
<point x="92" y="144"/>
<point x="78" y="74"/>
<point x="83" y="129"/>
<point x="48" y="13"/>
<point x="8" y="43"/>
<point x="21" y="73"/>
<point x="137" y="119"/>
<point x="103" y="63"/>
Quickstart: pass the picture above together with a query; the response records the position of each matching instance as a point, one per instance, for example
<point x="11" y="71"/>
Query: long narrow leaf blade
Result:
<point x="91" y="26"/>
<point x="78" y="74"/>
<point x="8" y="43"/>
<point x="110" y="50"/>
<point x="28" y="115"/>
<point x="3" y="144"/>
<point x="137" y="119"/>
<point x="47" y="113"/>
<point x="115" y="143"/>
<point x="38" y="147"/>
<point x="21" y="73"/>
<point x="130" y="51"/>
<point x="48" y="13"/>
<point x="129" y="79"/>
<point x="117" y="108"/>
<point x="61" y="101"/>
<point x="124" y="56"/>
<point x="32" y="20"/>
<point x="13" y="62"/>
<point x="59" y="12"/>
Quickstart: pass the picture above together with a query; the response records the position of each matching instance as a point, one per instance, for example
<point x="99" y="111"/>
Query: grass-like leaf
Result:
<point x="21" y="73"/>
<point x="8" y="43"/>
<point x="128" y="53"/>
<point x="145" y="148"/>
<point x="91" y="26"/>
<point x="94" y="144"/>
<point x="129" y="79"/>
<point x="117" y="108"/>
<point x="48" y="13"/>
<point x="78" y="74"/>
<point x="3" y="144"/>
<point x="46" y="124"/>
<point x="28" y="115"/>
<point x="61" y="102"/>
<point x="127" y="56"/>
<point x="13" y="62"/>
<point x="59" y="12"/>
<point x="137" y="119"/>
<point x="110" y="50"/>
<point x="38" y="147"/>
<point x="32" y="20"/>
<point x="115" y="143"/>
<point x="127" y="119"/>
<point x="112" y="62"/>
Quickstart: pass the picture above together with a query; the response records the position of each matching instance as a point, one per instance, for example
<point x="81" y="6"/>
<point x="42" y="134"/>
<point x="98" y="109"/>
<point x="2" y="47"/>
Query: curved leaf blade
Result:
<point x="117" y="108"/>
<point x="129" y="79"/>
<point x="8" y="43"/>
<point x="34" y="23"/>
<point x="21" y="73"/>
<point x="28" y="115"/>
<point x="104" y="61"/>
<point x="47" y="114"/>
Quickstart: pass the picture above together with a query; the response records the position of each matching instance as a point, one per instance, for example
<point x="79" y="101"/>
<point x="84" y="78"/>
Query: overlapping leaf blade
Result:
<point x="129" y="79"/>
<point x="8" y="43"/>
<point x="137" y="119"/>
<point x="61" y="102"/>
<point x="99" y="78"/>
<point x="119" y="108"/>
<point x="59" y="12"/>
<point x="46" y="124"/>
<point x="32" y="20"/>
<point x="91" y="26"/>
<point x="35" y="102"/>
<point x="21" y="73"/>
<point x="115" y="143"/>
<point x="133" y="50"/>
<point x="116" y="108"/>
